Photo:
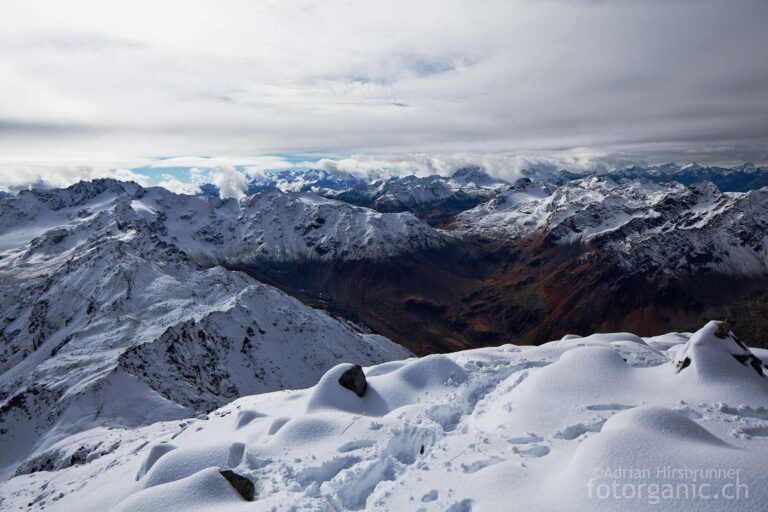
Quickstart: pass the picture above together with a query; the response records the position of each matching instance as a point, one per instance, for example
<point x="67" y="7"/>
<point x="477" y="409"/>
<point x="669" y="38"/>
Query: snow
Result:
<point x="276" y="226"/>
<point x="117" y="324"/>
<point x="290" y="226"/>
<point x="139" y="206"/>
<point x="546" y="428"/>
<point x="106" y="324"/>
<point x="669" y="227"/>
<point x="464" y="189"/>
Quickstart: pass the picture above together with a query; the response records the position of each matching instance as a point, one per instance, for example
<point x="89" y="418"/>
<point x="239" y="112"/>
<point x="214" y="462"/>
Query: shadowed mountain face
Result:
<point x="411" y="299"/>
<point x="528" y="293"/>
<point x="434" y="199"/>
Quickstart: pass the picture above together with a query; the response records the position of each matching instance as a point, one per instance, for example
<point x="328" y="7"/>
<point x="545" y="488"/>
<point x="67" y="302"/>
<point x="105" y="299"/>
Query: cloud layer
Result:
<point x="112" y="86"/>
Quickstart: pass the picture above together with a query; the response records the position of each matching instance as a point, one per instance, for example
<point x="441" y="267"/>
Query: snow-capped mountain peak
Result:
<point x="477" y="177"/>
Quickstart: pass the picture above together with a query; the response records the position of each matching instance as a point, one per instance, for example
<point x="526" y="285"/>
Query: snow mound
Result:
<point x="205" y="490"/>
<point x="654" y="457"/>
<point x="389" y="391"/>
<point x="562" y="426"/>
<point x="660" y="420"/>
<point x="155" y="452"/>
<point x="329" y="395"/>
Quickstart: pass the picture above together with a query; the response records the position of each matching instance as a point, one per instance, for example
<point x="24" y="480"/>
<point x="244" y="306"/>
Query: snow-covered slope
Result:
<point x="466" y="188"/>
<point x="269" y="225"/>
<point x="276" y="226"/>
<point x="601" y="423"/>
<point x="667" y="227"/>
<point x="106" y="322"/>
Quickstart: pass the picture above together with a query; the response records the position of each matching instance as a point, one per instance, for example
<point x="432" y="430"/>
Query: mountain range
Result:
<point x="532" y="260"/>
<point x="124" y="305"/>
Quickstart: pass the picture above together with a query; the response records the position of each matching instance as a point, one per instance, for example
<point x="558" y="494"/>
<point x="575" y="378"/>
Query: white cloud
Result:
<point x="190" y="187"/>
<point x="15" y="177"/>
<point x="503" y="166"/>
<point x="231" y="182"/>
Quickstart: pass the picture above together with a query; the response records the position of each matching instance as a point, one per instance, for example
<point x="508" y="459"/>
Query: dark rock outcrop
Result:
<point x="354" y="380"/>
<point x="242" y="485"/>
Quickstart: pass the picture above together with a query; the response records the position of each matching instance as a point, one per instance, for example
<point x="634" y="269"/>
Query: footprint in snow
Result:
<point x="326" y="471"/>
<point x="411" y="443"/>
<point x="688" y="412"/>
<point x="745" y="411"/>
<point x="759" y="432"/>
<point x="461" y="506"/>
<point x="573" y="431"/>
<point x="476" y="466"/>
<point x="533" y="451"/>
<point x="608" y="407"/>
<point x="355" y="445"/>
<point x="526" y="439"/>
<point x="430" y="496"/>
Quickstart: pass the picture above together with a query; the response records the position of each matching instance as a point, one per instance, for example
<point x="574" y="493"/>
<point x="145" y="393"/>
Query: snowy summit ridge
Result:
<point x="470" y="431"/>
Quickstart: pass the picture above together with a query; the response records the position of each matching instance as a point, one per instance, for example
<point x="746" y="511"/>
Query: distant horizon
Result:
<point x="181" y="176"/>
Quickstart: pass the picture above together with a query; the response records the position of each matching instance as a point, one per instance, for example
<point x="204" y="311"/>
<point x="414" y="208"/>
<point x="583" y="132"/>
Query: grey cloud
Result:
<point x="41" y="128"/>
<point x="425" y="65"/>
<point x="81" y="41"/>
<point x="515" y="77"/>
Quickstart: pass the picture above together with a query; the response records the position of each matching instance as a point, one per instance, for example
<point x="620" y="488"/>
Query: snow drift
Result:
<point x="543" y="428"/>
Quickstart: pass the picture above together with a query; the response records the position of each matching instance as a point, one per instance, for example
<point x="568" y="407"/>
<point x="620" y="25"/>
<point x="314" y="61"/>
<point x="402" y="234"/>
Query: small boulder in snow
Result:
<point x="723" y="330"/>
<point x="242" y="485"/>
<point x="354" y="380"/>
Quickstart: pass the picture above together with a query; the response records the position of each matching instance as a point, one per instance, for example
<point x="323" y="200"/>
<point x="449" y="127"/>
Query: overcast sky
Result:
<point x="90" y="88"/>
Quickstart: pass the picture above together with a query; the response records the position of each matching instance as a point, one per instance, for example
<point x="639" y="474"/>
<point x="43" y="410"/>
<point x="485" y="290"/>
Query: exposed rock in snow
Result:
<point x="242" y="485"/>
<point x="703" y="353"/>
<point x="576" y="424"/>
<point x="354" y="380"/>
